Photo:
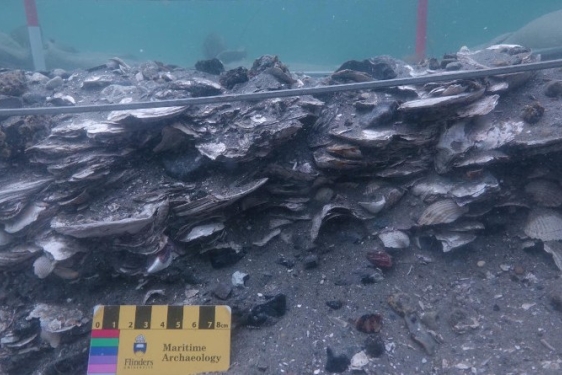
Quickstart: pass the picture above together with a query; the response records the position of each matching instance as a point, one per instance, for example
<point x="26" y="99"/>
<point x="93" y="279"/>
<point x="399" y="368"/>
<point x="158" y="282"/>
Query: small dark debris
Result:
<point x="336" y="363"/>
<point x="223" y="258"/>
<point x="335" y="304"/>
<point x="213" y="66"/>
<point x="374" y="345"/>
<point x="532" y="113"/>
<point x="378" y="67"/>
<point x="433" y="64"/>
<point x="222" y="291"/>
<point x="555" y="298"/>
<point x="273" y="308"/>
<point x="369" y="323"/>
<point x="233" y="77"/>
<point x="12" y="83"/>
<point x="310" y="261"/>
<point x="447" y="60"/>
<point x="285" y="262"/>
<point x="553" y="89"/>
<point x="455" y="65"/>
<point x="185" y="166"/>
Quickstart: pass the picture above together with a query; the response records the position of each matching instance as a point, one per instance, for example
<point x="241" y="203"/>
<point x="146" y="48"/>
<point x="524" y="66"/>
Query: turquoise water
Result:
<point x="309" y="32"/>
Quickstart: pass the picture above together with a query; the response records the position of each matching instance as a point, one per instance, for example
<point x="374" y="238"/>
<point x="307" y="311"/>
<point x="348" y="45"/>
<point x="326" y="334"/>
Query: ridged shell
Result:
<point x="555" y="249"/>
<point x="441" y="212"/>
<point x="544" y="224"/>
<point x="395" y="239"/>
<point x="545" y="193"/>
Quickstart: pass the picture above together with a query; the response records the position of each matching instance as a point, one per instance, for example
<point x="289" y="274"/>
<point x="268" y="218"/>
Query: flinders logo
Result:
<point x="139" y="349"/>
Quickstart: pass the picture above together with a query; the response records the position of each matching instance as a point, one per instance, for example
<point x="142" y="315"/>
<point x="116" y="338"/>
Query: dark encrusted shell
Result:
<point x="369" y="323"/>
<point x="380" y="258"/>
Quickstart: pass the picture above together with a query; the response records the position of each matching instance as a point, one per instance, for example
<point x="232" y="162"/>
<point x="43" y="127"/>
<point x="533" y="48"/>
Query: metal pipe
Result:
<point x="372" y="85"/>
<point x="35" y="38"/>
<point x="421" y="30"/>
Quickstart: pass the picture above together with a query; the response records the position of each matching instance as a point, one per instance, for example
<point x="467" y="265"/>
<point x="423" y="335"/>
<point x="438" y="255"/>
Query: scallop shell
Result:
<point x="544" y="224"/>
<point x="545" y="193"/>
<point x="395" y="239"/>
<point x="441" y="212"/>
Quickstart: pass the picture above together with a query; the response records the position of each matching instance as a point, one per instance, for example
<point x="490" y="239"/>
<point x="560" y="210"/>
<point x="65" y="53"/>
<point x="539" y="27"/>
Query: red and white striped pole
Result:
<point x="421" y="30"/>
<point x="35" y="40"/>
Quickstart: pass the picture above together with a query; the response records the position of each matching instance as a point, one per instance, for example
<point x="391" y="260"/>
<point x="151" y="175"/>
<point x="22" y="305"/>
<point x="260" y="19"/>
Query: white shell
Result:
<point x="395" y="239"/>
<point x="43" y="266"/>
<point x="202" y="231"/>
<point x="358" y="361"/>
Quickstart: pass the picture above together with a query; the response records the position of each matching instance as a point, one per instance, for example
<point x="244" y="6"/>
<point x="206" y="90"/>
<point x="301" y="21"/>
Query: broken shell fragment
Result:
<point x="358" y="361"/>
<point x="554" y="248"/>
<point x="419" y="334"/>
<point x="331" y="211"/>
<point x="451" y="240"/>
<point x="57" y="321"/>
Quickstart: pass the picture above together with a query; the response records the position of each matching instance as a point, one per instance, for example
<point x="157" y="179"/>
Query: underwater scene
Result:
<point x="269" y="187"/>
<point x="309" y="35"/>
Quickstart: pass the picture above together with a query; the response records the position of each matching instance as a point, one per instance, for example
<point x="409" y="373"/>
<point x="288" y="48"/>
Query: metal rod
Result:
<point x="372" y="85"/>
<point x="35" y="38"/>
<point x="421" y="30"/>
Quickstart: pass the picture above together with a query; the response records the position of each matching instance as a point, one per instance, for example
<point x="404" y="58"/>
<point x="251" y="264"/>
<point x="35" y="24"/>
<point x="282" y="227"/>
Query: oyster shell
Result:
<point x="16" y="256"/>
<point x="108" y="227"/>
<point x="145" y="116"/>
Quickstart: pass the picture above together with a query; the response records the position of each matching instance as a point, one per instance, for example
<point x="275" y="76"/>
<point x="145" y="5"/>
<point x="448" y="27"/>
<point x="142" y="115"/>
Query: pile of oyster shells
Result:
<point x="434" y="165"/>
